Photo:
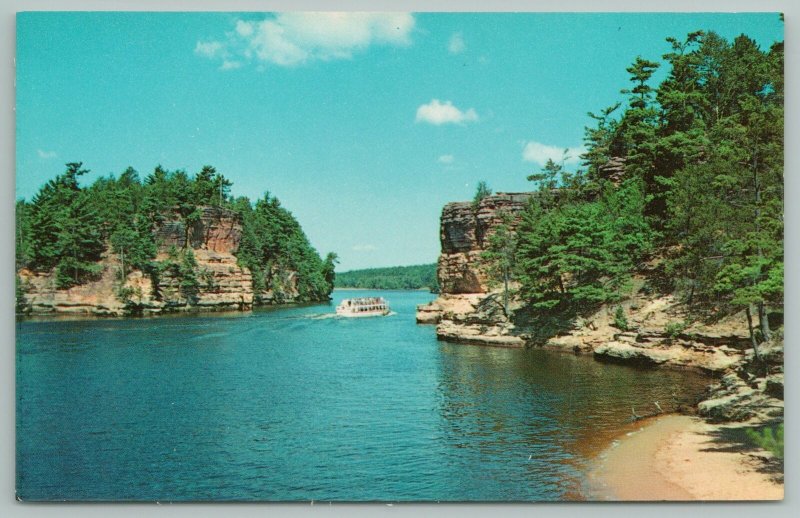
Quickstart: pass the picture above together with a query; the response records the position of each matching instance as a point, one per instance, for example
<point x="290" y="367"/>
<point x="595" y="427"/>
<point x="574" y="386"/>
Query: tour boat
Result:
<point x="363" y="307"/>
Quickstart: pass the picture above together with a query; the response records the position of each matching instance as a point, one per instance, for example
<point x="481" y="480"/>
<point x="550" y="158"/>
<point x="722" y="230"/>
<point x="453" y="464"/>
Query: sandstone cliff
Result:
<point x="464" y="234"/>
<point x="660" y="332"/>
<point x="464" y="310"/>
<point x="223" y="285"/>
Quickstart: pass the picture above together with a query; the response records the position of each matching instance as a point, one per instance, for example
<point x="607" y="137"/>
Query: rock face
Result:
<point x="223" y="284"/>
<point x="648" y="342"/>
<point x="472" y="318"/>
<point x="733" y="399"/>
<point x="466" y="311"/>
<point x="665" y="351"/>
<point x="96" y="297"/>
<point x="659" y="332"/>
<point x="464" y="234"/>
<point x="217" y="230"/>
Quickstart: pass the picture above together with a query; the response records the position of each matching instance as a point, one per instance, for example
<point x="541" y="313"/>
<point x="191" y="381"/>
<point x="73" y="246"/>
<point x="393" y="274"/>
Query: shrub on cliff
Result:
<point x="482" y="191"/>
<point x="620" y="320"/>
<point x="578" y="254"/>
<point x="769" y="438"/>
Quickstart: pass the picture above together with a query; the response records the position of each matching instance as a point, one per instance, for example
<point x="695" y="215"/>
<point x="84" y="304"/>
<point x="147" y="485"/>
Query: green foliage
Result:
<point x="392" y="278"/>
<point x="726" y="211"/>
<point x="129" y="295"/>
<point x="499" y="258"/>
<point x="637" y="128"/>
<point x="79" y="243"/>
<point x="769" y="438"/>
<point x="580" y="253"/>
<point x="329" y="268"/>
<point x="620" y="320"/>
<point x="21" y="289"/>
<point x="189" y="284"/>
<point x="481" y="192"/>
<point x="272" y="243"/>
<point x="674" y="329"/>
<point x="66" y="228"/>
<point x="600" y="141"/>
<point x="211" y="188"/>
<point x="63" y="230"/>
<point x="703" y="167"/>
<point x="23" y="246"/>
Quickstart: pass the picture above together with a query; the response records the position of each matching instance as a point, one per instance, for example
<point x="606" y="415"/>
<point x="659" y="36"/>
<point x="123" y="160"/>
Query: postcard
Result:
<point x="399" y="257"/>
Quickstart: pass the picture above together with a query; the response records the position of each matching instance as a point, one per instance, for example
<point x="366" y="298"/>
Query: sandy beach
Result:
<point x="683" y="458"/>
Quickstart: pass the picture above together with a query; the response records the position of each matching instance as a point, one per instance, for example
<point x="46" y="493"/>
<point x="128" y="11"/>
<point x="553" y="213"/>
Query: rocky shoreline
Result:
<point x="223" y="285"/>
<point x="720" y="350"/>
<point x="658" y="330"/>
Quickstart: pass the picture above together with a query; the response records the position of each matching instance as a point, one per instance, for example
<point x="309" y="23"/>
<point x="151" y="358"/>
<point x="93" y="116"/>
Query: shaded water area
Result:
<point x="295" y="404"/>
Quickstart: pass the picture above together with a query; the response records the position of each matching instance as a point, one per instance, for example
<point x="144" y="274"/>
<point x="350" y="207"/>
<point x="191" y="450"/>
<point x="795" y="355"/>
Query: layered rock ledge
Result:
<point x="223" y="285"/>
<point x="464" y="233"/>
<point x="658" y="333"/>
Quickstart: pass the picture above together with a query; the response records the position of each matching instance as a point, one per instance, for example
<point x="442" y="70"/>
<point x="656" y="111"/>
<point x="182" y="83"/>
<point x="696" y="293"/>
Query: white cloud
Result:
<point x="364" y="248"/>
<point x="209" y="49"/>
<point x="436" y="112"/>
<point x="244" y="29"/>
<point x="289" y="39"/>
<point x="456" y="44"/>
<point x="46" y="155"/>
<point x="446" y="159"/>
<point x="539" y="153"/>
<point x="230" y="65"/>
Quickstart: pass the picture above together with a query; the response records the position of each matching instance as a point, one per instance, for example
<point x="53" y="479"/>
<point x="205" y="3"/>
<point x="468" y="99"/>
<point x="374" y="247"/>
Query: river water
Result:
<point x="295" y="404"/>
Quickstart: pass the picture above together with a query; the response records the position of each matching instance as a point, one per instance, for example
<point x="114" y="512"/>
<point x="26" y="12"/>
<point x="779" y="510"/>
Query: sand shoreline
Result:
<point x="682" y="458"/>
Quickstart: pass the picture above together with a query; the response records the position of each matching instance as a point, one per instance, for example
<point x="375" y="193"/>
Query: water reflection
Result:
<point x="542" y="405"/>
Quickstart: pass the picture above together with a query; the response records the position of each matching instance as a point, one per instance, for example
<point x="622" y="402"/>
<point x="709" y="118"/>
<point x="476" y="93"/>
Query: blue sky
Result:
<point x="363" y="125"/>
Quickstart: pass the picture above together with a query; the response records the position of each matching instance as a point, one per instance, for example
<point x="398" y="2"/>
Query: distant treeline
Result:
<point x="416" y="277"/>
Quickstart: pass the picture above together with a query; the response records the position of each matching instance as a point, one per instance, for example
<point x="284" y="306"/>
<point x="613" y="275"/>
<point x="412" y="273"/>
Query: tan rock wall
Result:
<point x="218" y="230"/>
<point x="214" y="239"/>
<point x="464" y="234"/>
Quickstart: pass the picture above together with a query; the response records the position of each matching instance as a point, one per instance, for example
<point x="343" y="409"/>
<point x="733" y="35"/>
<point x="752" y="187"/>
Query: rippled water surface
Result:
<point x="294" y="404"/>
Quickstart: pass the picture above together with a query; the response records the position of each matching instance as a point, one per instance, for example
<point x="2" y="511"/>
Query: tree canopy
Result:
<point x="393" y="278"/>
<point x="690" y="173"/>
<point x="66" y="228"/>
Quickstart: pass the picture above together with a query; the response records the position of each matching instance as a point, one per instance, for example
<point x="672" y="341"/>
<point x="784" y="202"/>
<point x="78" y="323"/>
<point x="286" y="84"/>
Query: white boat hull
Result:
<point x="362" y="314"/>
<point x="363" y="307"/>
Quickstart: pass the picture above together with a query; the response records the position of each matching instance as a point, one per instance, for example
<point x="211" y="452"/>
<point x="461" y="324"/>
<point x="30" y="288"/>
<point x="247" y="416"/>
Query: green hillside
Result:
<point x="416" y="277"/>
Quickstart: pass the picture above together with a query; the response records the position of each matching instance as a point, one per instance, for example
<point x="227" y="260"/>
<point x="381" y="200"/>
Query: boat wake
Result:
<point x="322" y="316"/>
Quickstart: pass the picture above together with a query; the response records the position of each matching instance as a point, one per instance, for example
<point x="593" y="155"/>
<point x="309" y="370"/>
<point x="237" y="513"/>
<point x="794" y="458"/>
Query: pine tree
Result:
<point x="79" y="243"/>
<point x="499" y="258"/>
<point x="481" y="191"/>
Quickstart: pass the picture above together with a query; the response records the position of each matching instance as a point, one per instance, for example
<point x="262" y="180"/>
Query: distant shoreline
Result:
<point x="381" y="289"/>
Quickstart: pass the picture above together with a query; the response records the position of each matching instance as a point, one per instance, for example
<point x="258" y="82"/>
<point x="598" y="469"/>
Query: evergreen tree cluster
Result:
<point x="415" y="277"/>
<point x="66" y="228"/>
<point x="273" y="243"/>
<point x="689" y="173"/>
